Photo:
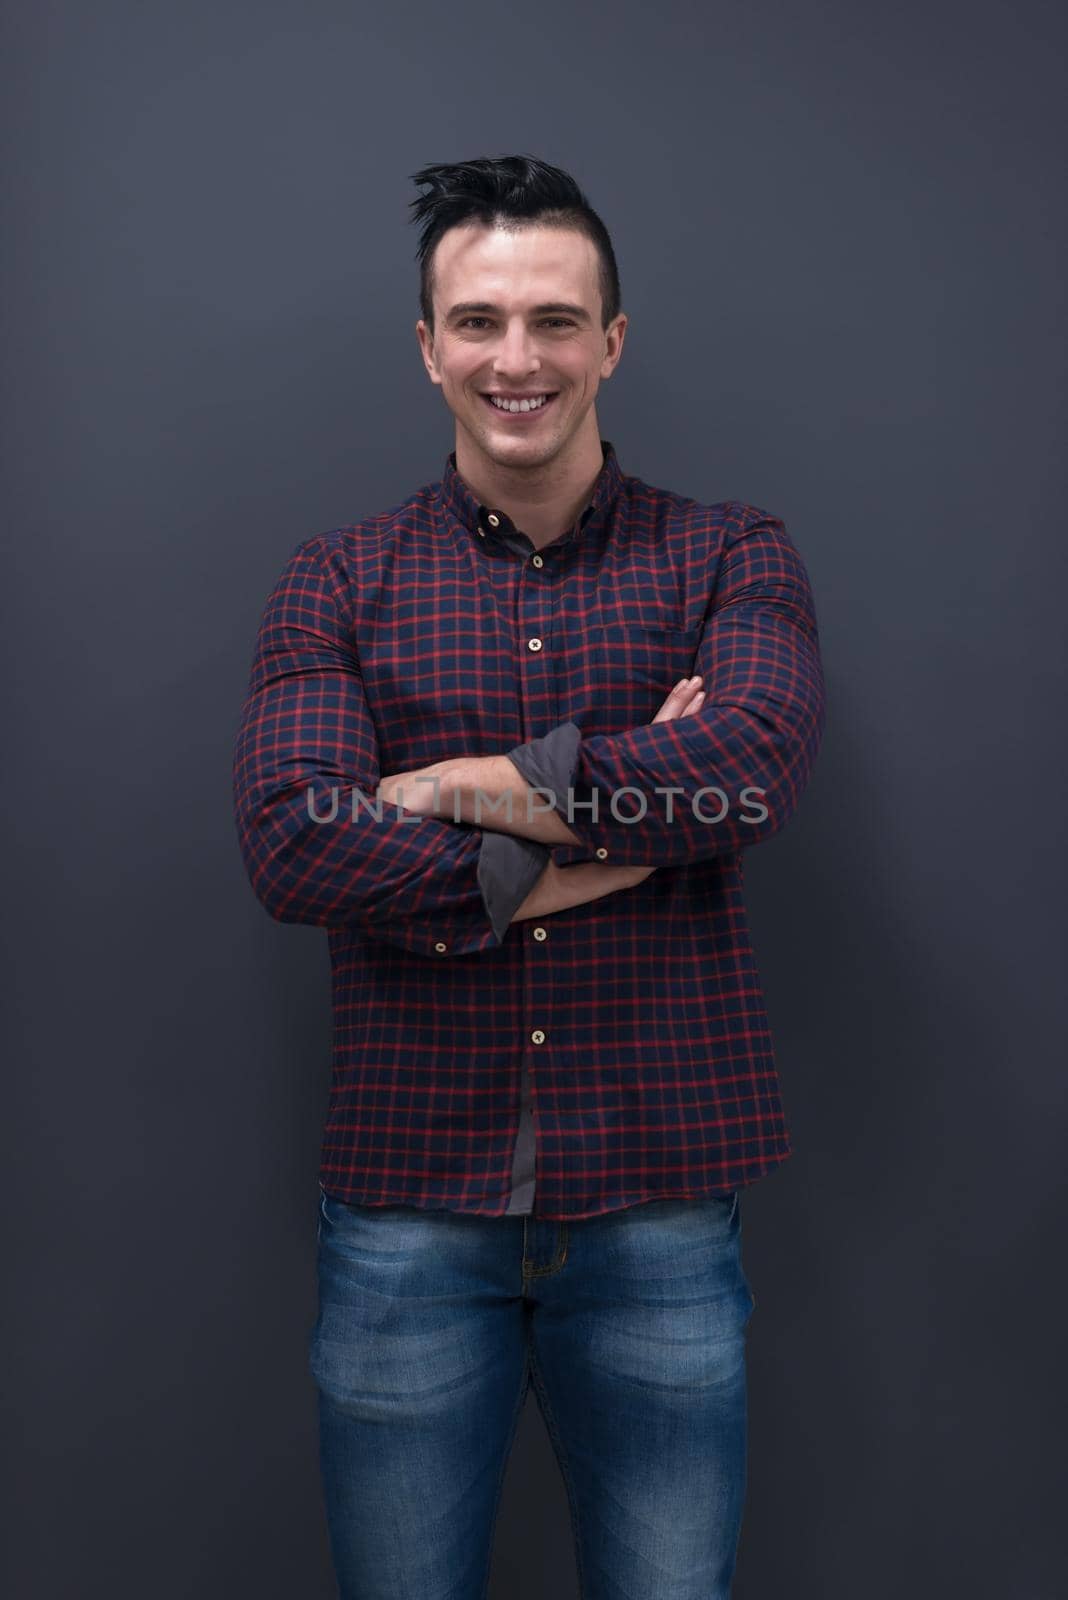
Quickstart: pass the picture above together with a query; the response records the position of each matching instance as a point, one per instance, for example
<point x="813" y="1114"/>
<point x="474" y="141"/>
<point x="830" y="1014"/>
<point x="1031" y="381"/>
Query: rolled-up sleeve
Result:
<point x="508" y="868"/>
<point x="549" y="762"/>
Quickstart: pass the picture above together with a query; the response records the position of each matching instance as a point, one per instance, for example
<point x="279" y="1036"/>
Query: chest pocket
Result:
<point x="633" y="667"/>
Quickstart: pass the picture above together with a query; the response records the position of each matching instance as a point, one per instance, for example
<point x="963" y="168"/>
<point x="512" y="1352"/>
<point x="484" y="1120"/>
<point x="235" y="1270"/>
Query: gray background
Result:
<point x="841" y="244"/>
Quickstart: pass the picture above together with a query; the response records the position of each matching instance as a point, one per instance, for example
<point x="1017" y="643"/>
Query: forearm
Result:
<point x="490" y="792"/>
<point x="560" y="888"/>
<point x="485" y="791"/>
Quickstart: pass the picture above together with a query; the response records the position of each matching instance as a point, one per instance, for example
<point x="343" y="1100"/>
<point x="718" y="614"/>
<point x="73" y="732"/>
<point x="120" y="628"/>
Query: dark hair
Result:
<point x="506" y="191"/>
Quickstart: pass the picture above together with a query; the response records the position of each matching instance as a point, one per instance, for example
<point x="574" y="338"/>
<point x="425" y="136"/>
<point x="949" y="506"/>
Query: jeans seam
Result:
<point x="530" y="1271"/>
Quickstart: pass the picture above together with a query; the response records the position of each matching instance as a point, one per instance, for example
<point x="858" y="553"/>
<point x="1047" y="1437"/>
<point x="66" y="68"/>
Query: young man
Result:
<point x="507" y="742"/>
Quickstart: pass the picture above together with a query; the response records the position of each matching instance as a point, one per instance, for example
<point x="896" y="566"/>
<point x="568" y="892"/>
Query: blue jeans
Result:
<point x="631" y="1326"/>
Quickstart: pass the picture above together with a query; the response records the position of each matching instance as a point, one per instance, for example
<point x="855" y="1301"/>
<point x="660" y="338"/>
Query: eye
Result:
<point x="564" y="322"/>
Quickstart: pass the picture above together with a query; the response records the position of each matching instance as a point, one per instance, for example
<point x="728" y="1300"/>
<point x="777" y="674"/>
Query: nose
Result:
<point x="516" y="354"/>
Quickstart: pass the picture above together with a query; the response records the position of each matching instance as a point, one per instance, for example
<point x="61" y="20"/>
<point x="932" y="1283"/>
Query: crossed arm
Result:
<point x="491" y="792"/>
<point x="306" y="746"/>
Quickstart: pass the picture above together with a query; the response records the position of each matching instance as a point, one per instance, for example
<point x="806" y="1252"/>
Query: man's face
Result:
<point x="537" y="331"/>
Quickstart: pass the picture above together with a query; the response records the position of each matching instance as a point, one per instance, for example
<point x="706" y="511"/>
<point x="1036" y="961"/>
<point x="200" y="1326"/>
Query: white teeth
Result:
<point x="519" y="405"/>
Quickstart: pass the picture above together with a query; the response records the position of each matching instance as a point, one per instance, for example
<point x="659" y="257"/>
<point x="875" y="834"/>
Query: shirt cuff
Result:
<point x="549" y="762"/>
<point x="508" y="868"/>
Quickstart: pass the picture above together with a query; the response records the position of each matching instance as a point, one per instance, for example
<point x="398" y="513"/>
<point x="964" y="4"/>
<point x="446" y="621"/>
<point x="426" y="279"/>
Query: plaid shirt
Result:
<point x="610" y="1054"/>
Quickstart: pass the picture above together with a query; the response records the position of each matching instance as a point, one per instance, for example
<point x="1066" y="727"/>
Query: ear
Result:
<point x="613" y="339"/>
<point x="426" y="346"/>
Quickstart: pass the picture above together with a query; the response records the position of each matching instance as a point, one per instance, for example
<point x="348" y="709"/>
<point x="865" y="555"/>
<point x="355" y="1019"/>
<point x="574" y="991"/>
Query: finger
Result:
<point x="690" y="701"/>
<point x="677" y="700"/>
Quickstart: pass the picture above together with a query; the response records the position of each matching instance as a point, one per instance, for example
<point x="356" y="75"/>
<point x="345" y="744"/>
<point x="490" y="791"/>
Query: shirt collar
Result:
<point x="458" y="499"/>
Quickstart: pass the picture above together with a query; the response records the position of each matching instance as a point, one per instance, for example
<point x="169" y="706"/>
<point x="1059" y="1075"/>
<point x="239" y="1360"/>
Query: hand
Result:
<point x="683" y="701"/>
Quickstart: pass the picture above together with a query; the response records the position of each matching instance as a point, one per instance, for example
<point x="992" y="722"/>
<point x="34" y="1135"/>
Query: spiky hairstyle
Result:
<point x="506" y="191"/>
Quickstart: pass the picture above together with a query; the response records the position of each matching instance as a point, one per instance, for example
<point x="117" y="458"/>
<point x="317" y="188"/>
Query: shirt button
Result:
<point x="482" y="533"/>
<point x="494" y="520"/>
<point x="539" y="933"/>
<point x="533" y="644"/>
<point x="537" y="1036"/>
<point x="537" y="561"/>
<point x="601" y="853"/>
<point x="441" y="948"/>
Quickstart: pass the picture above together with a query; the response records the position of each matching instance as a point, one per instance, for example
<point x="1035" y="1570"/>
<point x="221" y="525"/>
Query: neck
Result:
<point x="543" y="500"/>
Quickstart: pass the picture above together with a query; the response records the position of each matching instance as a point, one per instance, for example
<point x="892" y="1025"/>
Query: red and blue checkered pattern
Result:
<point x="414" y="636"/>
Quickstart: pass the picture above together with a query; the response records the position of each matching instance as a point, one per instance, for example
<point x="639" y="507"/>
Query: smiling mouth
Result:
<point x="517" y="416"/>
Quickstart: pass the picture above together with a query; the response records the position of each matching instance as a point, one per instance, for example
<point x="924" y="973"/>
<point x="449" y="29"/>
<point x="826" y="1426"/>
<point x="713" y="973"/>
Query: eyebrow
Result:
<point x="559" y="307"/>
